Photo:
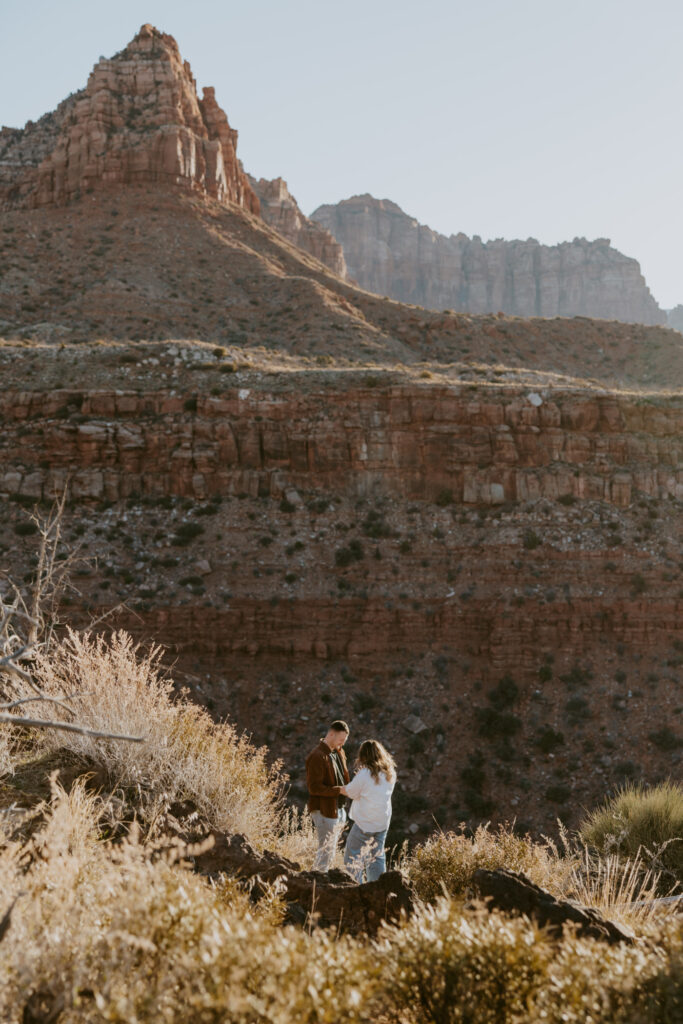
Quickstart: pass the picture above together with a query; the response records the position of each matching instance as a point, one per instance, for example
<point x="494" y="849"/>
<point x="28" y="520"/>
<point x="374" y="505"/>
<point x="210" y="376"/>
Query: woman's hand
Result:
<point x="343" y="791"/>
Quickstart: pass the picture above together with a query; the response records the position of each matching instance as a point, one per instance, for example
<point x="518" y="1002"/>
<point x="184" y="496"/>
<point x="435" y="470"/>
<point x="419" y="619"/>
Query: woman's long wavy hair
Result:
<point x="377" y="759"/>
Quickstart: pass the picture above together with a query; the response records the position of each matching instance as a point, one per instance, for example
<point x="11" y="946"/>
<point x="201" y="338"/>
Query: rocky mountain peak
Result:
<point x="138" y="120"/>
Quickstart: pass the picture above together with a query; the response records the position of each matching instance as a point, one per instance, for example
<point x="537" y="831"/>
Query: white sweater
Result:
<point x="371" y="807"/>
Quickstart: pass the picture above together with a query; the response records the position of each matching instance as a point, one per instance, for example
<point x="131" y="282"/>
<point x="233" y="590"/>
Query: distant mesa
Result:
<point x="138" y="120"/>
<point x="675" y="318"/>
<point x="390" y="253"/>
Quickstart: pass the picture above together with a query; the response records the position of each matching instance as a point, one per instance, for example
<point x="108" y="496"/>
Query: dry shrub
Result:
<point x="642" y="821"/>
<point x="120" y="933"/>
<point x="185" y="755"/>
<point x="7" y="746"/>
<point x="113" y="934"/>
<point x="298" y="840"/>
<point x="448" y="966"/>
<point x="446" y="862"/>
<point x="445" y="966"/>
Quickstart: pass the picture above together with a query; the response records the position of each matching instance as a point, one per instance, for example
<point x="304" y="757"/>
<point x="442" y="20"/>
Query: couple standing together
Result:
<point x="328" y="780"/>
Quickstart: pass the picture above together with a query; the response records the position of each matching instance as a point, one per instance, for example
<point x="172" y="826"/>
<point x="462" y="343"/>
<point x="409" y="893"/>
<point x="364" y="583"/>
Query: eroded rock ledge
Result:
<point x="407" y="441"/>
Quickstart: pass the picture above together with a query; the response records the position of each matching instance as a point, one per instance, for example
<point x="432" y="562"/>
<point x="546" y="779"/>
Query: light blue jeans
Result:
<point x="328" y="830"/>
<point x="364" y="853"/>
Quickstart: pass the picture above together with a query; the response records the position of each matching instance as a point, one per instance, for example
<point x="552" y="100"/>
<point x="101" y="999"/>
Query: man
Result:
<point x="326" y="773"/>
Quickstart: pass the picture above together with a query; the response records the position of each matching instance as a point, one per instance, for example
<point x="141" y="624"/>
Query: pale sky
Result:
<point x="502" y="118"/>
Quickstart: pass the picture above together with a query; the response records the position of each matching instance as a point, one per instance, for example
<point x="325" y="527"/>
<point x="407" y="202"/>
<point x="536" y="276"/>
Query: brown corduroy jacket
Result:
<point x="320" y="779"/>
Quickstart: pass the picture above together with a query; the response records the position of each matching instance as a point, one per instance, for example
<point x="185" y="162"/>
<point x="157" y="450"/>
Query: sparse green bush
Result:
<point x="548" y="739"/>
<point x="505" y="693"/>
<point x="558" y="793"/>
<point x="645" y="820"/>
<point x="375" y="526"/>
<point x="531" y="540"/>
<point x="186" y="533"/>
<point x="666" y="739"/>
<point x="492" y="723"/>
<point x="353" y="552"/>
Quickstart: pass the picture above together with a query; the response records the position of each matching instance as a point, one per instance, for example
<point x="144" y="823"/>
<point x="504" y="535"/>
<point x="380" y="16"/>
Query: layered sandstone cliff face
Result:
<point x="138" y="120"/>
<point x="481" y="447"/>
<point x="280" y="209"/>
<point x="313" y="548"/>
<point x="390" y="253"/>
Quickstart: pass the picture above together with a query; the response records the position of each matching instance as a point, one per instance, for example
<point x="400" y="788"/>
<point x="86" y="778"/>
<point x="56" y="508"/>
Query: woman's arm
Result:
<point x="355" y="788"/>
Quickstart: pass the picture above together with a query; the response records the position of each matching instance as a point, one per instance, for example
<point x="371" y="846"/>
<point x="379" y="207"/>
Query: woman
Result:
<point x="370" y="791"/>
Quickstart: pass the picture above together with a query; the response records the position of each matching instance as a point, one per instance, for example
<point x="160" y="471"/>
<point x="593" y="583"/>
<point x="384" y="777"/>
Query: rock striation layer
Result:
<point x="405" y="441"/>
<point x="281" y="211"/>
<point x="138" y="120"/>
<point x="390" y="253"/>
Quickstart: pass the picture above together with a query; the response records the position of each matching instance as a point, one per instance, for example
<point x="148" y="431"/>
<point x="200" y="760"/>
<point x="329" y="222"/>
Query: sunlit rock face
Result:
<point x="390" y="253"/>
<point x="280" y="209"/>
<point x="139" y="120"/>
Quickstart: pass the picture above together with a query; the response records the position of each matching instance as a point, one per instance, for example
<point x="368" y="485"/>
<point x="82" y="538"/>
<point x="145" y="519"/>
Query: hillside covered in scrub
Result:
<point x="109" y="914"/>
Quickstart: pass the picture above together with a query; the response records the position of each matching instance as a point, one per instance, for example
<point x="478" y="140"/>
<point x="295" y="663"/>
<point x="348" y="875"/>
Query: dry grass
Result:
<point x="126" y="932"/>
<point x="118" y="688"/>
<point x="119" y="934"/>
<point x="642" y="822"/>
<point x="445" y="864"/>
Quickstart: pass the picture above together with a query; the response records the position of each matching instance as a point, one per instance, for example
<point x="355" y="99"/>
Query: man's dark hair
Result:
<point x="339" y="726"/>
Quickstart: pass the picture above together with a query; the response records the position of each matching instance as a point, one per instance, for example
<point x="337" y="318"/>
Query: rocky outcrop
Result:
<point x="138" y="120"/>
<point x="403" y="441"/>
<point x="280" y="209"/>
<point x="514" y="893"/>
<point x="329" y="899"/>
<point x="390" y="253"/>
<point x="675" y="318"/>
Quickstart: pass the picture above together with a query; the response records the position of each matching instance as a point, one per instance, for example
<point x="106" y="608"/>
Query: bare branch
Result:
<point x="42" y="723"/>
<point x="27" y="700"/>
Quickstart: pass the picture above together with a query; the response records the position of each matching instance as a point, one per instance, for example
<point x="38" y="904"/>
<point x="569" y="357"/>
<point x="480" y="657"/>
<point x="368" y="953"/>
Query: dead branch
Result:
<point x="43" y="723"/>
<point x="25" y="700"/>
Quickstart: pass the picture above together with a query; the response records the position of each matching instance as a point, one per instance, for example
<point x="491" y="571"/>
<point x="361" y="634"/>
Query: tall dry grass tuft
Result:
<point x="117" y="688"/>
<point x="623" y="890"/>
<point x="645" y="822"/>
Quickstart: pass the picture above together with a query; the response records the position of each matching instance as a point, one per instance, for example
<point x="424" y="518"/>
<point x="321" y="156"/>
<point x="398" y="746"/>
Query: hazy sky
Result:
<point x="503" y="118"/>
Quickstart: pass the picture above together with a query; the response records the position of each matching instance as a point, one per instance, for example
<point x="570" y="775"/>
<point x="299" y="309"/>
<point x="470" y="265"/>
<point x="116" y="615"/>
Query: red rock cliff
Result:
<point x="280" y="209"/>
<point x="138" y="120"/>
<point x="409" y="442"/>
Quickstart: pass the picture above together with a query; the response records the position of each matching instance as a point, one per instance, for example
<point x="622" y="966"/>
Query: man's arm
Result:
<point x="315" y="778"/>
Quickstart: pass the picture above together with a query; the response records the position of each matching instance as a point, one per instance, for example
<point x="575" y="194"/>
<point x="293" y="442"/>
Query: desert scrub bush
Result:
<point x="446" y="862"/>
<point x="445" y="966"/>
<point x="186" y="533"/>
<point x="185" y="755"/>
<point x="122" y="933"/>
<point x="642" y="821"/>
